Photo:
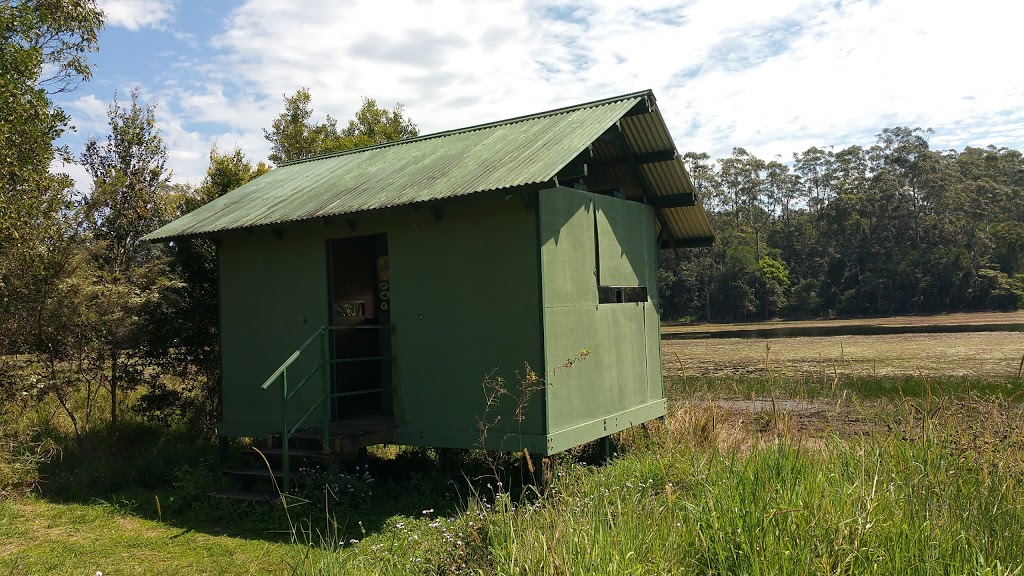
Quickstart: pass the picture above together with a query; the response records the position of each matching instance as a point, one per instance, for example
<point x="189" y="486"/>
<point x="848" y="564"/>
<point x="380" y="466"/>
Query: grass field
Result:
<point x="945" y="321"/>
<point x="974" y="355"/>
<point x="893" y="454"/>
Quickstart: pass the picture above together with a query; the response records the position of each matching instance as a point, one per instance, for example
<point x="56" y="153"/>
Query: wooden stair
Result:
<point x="305" y="449"/>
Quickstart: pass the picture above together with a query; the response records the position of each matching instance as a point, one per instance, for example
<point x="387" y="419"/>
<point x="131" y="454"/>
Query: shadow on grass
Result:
<point x="167" y="475"/>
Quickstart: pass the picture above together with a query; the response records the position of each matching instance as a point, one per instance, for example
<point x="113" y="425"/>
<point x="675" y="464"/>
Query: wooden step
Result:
<point x="293" y="453"/>
<point x="242" y="496"/>
<point x="264" y="474"/>
<point x="348" y="435"/>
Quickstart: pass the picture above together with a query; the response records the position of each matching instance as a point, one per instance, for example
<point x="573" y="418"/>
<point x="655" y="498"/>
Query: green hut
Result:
<point x="368" y="295"/>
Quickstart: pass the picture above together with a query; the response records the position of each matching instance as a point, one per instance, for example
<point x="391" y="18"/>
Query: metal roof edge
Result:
<point x="154" y="237"/>
<point x="648" y="93"/>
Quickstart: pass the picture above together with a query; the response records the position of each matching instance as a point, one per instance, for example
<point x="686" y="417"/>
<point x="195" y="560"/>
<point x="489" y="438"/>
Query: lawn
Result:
<point x="43" y="537"/>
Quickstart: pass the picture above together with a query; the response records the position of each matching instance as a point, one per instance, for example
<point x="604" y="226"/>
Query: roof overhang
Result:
<point x="617" y="145"/>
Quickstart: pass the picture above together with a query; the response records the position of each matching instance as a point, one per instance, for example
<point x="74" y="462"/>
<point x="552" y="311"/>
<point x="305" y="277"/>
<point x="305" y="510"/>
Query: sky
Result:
<point x="772" y="76"/>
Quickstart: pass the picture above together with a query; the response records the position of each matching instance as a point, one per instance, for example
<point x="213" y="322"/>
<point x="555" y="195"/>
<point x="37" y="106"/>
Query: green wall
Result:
<point x="586" y="238"/>
<point x="273" y="294"/>
<point x="468" y="278"/>
<point x="465" y="302"/>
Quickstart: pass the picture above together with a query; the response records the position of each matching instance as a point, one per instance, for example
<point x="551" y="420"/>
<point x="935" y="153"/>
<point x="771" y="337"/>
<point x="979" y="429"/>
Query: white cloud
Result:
<point x="136" y="14"/>
<point x="774" y="77"/>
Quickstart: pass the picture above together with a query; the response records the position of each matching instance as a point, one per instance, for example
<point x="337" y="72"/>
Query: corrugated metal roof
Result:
<point x="515" y="152"/>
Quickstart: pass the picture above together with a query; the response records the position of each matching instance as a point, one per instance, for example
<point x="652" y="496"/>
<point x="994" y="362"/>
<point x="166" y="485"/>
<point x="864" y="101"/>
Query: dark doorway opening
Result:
<point x="360" y="306"/>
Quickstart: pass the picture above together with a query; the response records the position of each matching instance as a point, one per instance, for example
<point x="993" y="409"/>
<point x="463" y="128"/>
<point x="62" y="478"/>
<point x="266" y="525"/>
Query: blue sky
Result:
<point x="774" y="77"/>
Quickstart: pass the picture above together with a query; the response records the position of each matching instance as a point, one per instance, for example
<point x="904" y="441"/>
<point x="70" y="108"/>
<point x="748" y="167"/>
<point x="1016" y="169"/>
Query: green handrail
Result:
<point x="323" y="336"/>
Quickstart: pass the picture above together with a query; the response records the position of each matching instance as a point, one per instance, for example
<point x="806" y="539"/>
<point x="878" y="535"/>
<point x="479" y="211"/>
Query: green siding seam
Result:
<point x="647" y="352"/>
<point x="546" y="414"/>
<point x="597" y="249"/>
<point x="220" y="333"/>
<point x="583" y="433"/>
<point x="615" y="415"/>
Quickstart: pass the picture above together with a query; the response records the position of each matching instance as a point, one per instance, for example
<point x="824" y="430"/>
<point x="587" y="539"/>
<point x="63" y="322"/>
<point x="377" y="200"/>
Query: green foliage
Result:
<point x="129" y="198"/>
<point x="129" y="175"/>
<point x="182" y="335"/>
<point x="773" y="278"/>
<point x="43" y="46"/>
<point x="893" y="229"/>
<point x="294" y="136"/>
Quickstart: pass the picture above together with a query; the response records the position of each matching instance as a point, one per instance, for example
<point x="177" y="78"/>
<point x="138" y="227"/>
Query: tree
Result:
<point x="375" y="125"/>
<point x="294" y="136"/>
<point x="895" y="228"/>
<point x="43" y="49"/>
<point x="128" y="199"/>
<point x="749" y="181"/>
<point x="773" y="281"/>
<point x="182" y="334"/>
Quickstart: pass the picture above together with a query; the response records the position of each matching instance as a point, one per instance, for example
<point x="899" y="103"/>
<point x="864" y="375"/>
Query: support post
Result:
<point x="285" y="433"/>
<point x="606" y="449"/>
<point x="325" y="377"/>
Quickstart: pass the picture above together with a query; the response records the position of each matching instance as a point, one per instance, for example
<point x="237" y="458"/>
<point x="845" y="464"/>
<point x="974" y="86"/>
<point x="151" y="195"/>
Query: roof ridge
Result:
<point x="563" y="110"/>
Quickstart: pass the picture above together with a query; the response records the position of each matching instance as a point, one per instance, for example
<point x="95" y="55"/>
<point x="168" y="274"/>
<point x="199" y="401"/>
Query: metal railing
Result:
<point x="325" y="360"/>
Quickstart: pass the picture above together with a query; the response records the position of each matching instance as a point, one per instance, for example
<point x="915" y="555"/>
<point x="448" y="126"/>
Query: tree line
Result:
<point x="895" y="228"/>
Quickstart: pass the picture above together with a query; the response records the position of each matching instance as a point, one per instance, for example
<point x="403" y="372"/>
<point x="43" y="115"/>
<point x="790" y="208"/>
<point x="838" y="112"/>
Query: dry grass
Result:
<point x="958" y="319"/>
<point x="975" y="355"/>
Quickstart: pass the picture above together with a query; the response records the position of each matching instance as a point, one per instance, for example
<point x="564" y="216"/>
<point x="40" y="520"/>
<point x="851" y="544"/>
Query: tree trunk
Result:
<point x="114" y="376"/>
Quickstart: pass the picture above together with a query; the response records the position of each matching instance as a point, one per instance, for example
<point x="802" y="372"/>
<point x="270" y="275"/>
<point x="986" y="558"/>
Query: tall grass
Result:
<point x="938" y="489"/>
<point x="833" y="385"/>
<point x="932" y="485"/>
<point x="941" y="494"/>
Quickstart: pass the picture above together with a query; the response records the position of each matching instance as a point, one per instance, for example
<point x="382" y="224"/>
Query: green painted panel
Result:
<point x="617" y="378"/>
<point x="650" y="236"/>
<point x="621" y="233"/>
<point x="273" y="297"/>
<point x="465" y="304"/>
<point x="612" y="423"/>
<point x="655" y="384"/>
<point x="568" y="257"/>
<point x="614" y="376"/>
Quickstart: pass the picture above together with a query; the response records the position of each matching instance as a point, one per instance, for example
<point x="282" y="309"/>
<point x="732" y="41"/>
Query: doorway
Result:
<point x="360" y="311"/>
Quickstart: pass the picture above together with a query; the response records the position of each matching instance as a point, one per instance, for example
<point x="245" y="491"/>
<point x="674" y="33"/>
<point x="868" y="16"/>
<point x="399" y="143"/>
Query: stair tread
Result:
<point x="317" y="433"/>
<point x="299" y="452"/>
<point x="264" y="473"/>
<point x="268" y="497"/>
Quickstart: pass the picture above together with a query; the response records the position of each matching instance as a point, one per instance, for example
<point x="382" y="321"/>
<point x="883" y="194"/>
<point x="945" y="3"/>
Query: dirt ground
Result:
<point x="803" y="417"/>
<point x="959" y="319"/>
<point x="976" y="354"/>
